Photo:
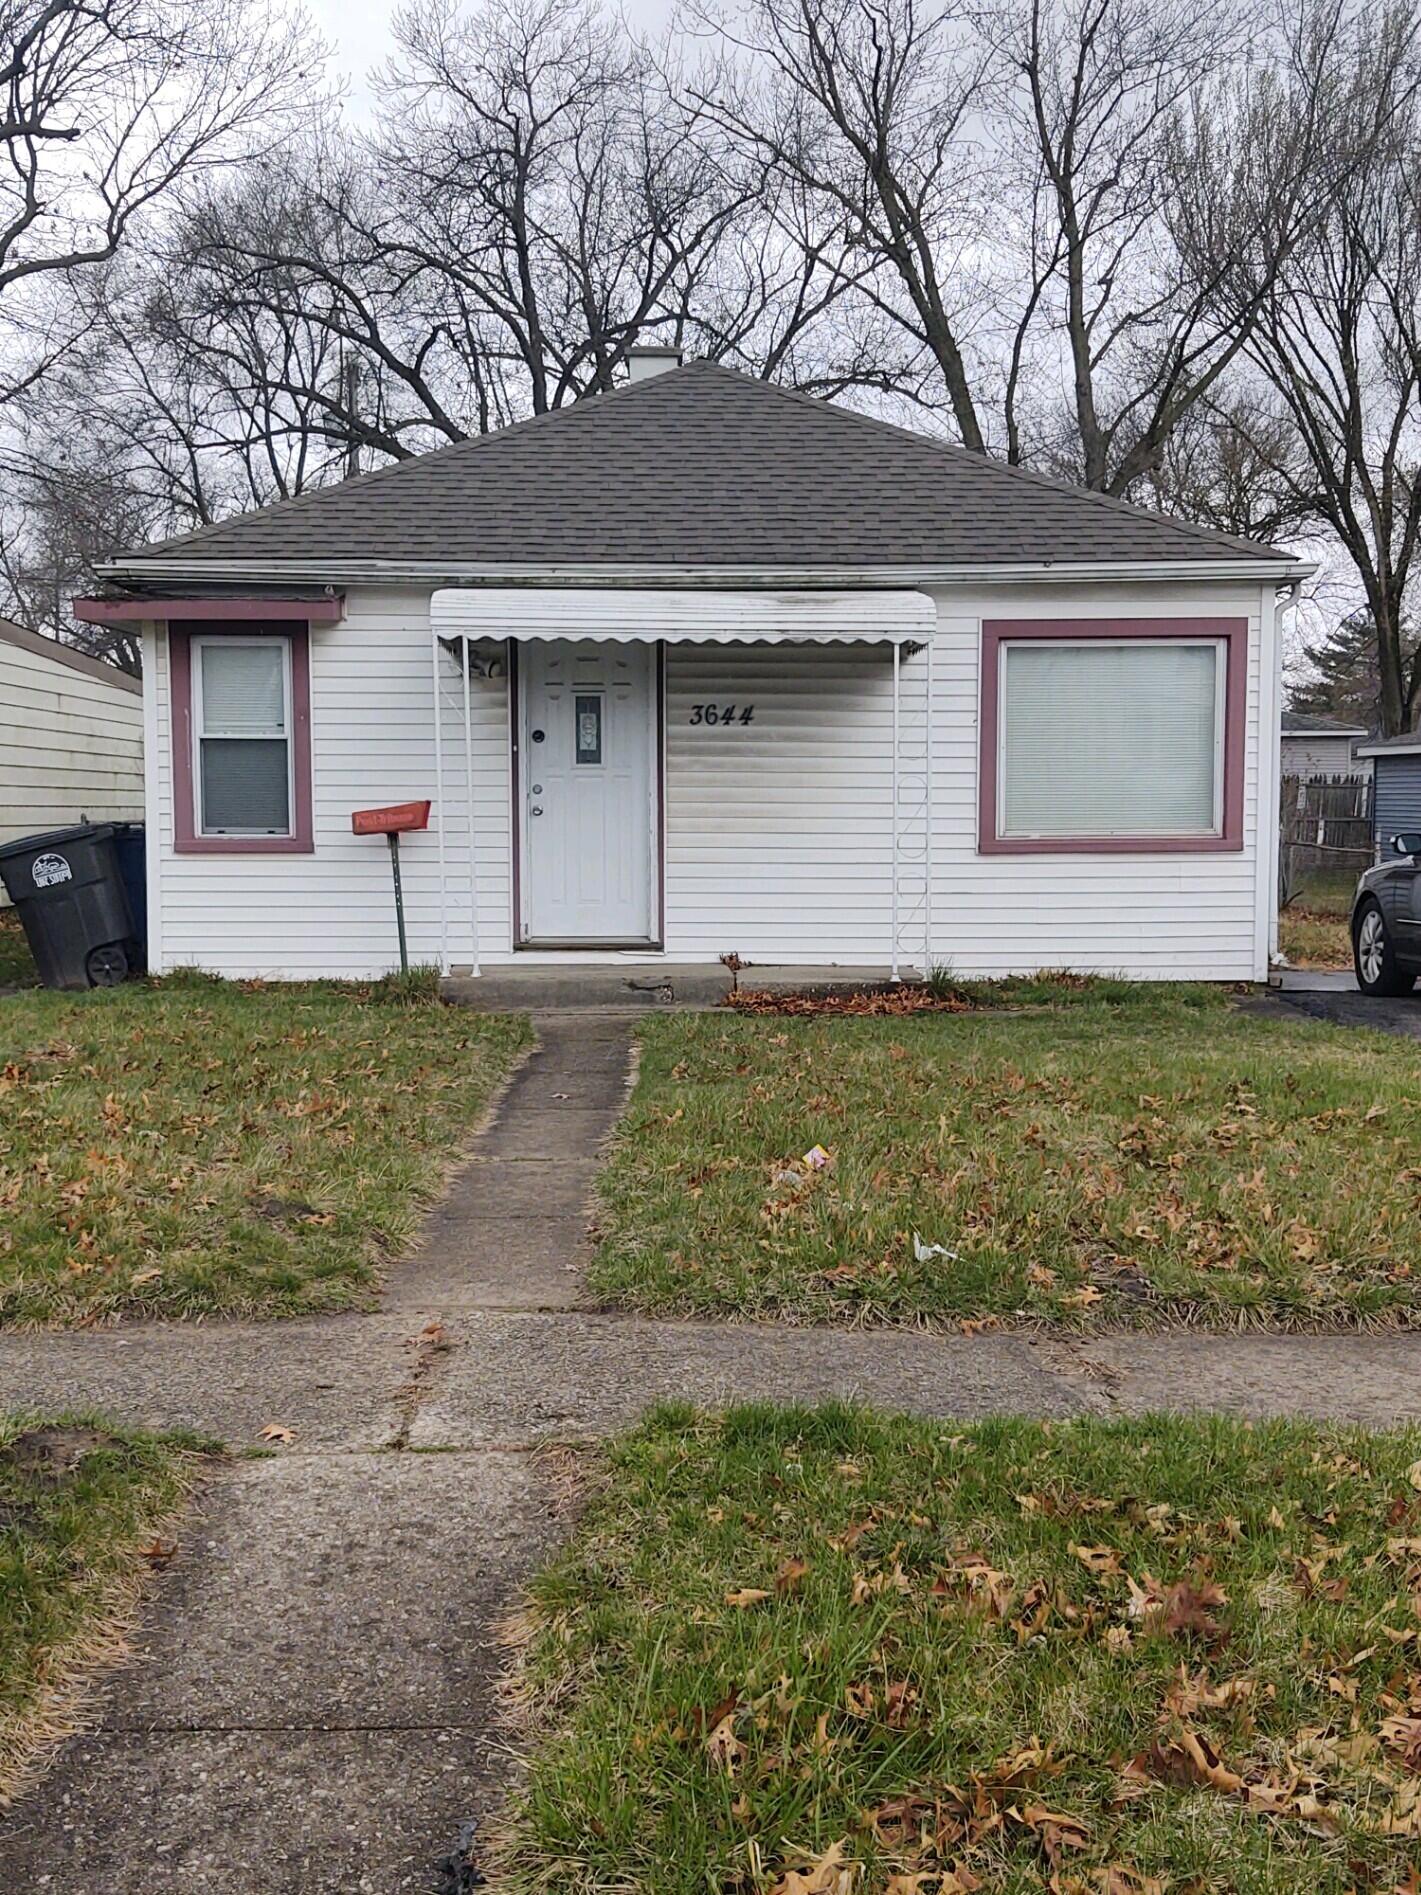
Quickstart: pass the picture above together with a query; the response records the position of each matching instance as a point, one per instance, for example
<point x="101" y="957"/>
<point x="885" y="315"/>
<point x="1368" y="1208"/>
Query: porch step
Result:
<point x="635" y="989"/>
<point x="643" y="986"/>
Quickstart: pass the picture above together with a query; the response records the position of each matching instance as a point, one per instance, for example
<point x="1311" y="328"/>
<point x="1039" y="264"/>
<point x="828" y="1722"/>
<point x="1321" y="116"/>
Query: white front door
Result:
<point x="587" y="756"/>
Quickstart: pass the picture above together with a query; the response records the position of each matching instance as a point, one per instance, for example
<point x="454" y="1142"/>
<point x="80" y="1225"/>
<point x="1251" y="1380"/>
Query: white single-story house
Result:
<point x="704" y="666"/>
<point x="1322" y="746"/>
<point x="71" y="737"/>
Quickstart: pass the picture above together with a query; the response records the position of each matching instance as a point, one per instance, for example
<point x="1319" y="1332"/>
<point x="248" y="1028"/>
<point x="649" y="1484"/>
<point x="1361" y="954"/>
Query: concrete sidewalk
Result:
<point x="313" y="1705"/>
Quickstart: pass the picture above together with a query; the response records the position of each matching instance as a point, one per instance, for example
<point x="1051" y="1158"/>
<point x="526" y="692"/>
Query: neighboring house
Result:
<point x="720" y="667"/>
<point x="71" y="736"/>
<point x="1396" y="794"/>
<point x="1320" y="746"/>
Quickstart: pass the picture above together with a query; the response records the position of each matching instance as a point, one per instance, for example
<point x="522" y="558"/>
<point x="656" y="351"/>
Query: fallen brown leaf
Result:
<point x="1096" y="1559"/>
<point x="724" y="1748"/>
<point x="828" y="1874"/>
<point x="1191" y="1760"/>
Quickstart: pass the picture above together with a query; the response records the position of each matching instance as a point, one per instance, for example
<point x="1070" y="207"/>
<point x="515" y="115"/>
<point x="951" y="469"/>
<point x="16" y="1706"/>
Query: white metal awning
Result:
<point x="902" y="620"/>
<point x="627" y="615"/>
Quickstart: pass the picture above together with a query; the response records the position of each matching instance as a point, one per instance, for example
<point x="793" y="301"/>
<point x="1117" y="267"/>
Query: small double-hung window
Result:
<point x="242" y="722"/>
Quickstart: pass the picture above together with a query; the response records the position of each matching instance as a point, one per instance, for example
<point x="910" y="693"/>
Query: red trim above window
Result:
<point x="257" y="612"/>
<point x="186" y="840"/>
<point x="1233" y="632"/>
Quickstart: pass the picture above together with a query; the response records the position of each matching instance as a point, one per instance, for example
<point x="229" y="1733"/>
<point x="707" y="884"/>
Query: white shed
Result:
<point x="705" y="665"/>
<point x="1322" y="746"/>
<point x="71" y="736"/>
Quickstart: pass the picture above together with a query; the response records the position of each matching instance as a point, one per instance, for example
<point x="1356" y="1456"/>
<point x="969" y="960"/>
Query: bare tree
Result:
<point x="555" y="191"/>
<point x="1236" y="465"/>
<point x="104" y="106"/>
<point x="870" y="107"/>
<point x="548" y="200"/>
<point x="1338" y="337"/>
<point x="1094" y="101"/>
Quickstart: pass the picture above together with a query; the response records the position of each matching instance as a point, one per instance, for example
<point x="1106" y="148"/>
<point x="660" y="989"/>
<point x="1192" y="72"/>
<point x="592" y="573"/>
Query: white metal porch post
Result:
<point x="928" y="817"/>
<point x="469" y="805"/>
<point x="439" y="802"/>
<point x="893" y="819"/>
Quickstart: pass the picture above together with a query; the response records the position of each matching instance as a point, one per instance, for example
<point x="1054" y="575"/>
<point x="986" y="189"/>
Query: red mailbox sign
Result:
<point x="392" y="821"/>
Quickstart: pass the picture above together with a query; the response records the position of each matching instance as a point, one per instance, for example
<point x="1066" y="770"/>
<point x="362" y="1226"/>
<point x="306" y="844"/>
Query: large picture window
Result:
<point x="1107" y="739"/>
<point x="1112" y="734"/>
<point x="241" y="740"/>
<point x="242" y="736"/>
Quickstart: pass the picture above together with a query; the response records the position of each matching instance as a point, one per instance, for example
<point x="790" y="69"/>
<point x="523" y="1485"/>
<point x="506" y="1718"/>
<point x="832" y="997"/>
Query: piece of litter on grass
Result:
<point x="925" y="1253"/>
<point x="816" y="1158"/>
<point x="794" y="1179"/>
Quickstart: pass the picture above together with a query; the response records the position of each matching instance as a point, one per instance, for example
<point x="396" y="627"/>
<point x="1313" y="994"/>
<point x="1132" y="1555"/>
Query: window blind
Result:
<point x="244" y="689"/>
<point x="1110" y="739"/>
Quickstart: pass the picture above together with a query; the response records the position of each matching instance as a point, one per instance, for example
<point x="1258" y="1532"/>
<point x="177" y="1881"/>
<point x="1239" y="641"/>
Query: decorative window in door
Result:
<point x="587" y="719"/>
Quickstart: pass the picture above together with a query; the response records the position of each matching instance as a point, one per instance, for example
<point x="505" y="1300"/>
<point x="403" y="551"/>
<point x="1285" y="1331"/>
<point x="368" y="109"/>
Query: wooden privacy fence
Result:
<point x="1326" y="824"/>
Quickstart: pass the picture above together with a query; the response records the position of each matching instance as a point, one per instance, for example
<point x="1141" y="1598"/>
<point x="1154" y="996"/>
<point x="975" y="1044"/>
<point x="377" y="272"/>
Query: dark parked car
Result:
<point x="1386" y="920"/>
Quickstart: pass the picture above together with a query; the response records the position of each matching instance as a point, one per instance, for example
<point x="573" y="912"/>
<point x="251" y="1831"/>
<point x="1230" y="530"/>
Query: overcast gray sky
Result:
<point x="359" y="30"/>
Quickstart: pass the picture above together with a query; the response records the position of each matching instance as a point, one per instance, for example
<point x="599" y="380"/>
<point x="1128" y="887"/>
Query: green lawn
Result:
<point x="17" y="966"/>
<point x="85" y="1518"/>
<point x="1152" y="1157"/>
<point x="193" y="1148"/>
<point x="825" y="1653"/>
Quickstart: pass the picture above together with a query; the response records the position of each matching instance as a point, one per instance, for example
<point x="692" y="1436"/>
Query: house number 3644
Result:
<point x="722" y="713"/>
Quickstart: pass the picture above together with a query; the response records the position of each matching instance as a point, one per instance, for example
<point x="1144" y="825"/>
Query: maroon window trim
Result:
<point x="1233" y="632"/>
<point x="328" y="611"/>
<point x="186" y="840"/>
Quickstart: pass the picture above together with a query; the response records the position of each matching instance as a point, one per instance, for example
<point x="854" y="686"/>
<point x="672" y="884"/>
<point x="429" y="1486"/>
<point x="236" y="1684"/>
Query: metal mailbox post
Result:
<point x="391" y="823"/>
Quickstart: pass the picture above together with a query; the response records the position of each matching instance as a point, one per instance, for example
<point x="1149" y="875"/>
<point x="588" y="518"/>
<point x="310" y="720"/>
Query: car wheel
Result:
<point x="1378" y="970"/>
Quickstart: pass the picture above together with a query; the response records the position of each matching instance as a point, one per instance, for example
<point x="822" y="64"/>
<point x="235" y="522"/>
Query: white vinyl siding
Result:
<point x="1111" y="738"/>
<point x="1149" y="917"/>
<point x="778" y="833"/>
<point x="71" y="746"/>
<point x="332" y="912"/>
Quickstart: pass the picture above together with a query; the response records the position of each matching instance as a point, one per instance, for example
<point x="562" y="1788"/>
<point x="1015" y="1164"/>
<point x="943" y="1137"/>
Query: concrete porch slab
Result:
<point x="1314" y="980"/>
<point x="641" y="987"/>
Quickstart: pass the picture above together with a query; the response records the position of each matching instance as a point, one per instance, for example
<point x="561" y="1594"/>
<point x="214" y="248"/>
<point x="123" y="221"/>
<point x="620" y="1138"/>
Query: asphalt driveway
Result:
<point x="1336" y="998"/>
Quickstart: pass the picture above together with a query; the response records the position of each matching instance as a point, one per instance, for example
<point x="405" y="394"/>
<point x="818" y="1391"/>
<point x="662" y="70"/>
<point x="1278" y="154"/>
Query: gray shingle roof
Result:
<point x="702" y="466"/>
<point x="1408" y="740"/>
<point x="1304" y="724"/>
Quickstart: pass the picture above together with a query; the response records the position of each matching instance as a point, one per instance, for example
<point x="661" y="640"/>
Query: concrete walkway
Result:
<point x="312" y="1707"/>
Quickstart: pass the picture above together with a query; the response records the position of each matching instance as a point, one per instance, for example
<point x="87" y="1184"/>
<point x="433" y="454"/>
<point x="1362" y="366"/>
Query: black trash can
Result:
<point x="133" y="867"/>
<point x="68" y="890"/>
